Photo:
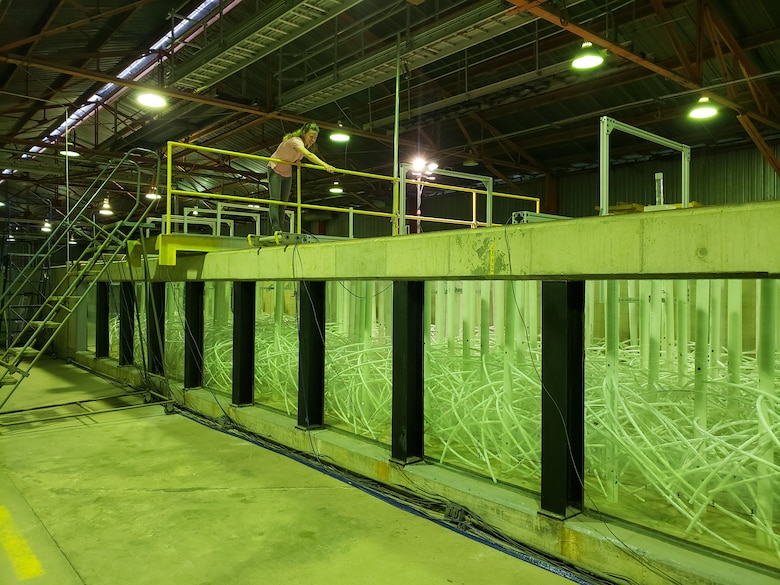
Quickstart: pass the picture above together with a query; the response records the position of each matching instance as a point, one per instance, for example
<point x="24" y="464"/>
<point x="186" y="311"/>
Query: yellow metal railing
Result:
<point x="299" y="205"/>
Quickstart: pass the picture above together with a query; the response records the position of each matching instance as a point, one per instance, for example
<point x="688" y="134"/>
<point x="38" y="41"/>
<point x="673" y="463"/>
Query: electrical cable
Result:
<point x="300" y="296"/>
<point x="408" y="502"/>
<point x="624" y="545"/>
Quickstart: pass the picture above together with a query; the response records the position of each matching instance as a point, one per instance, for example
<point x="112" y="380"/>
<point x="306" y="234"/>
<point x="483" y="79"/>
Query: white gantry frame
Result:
<point x="607" y="126"/>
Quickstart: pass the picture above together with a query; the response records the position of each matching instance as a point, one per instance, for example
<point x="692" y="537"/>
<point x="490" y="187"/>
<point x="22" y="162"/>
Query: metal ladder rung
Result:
<point x="46" y="324"/>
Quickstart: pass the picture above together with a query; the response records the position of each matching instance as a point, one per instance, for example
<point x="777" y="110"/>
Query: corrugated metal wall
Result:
<point x="721" y="178"/>
<point x="732" y="177"/>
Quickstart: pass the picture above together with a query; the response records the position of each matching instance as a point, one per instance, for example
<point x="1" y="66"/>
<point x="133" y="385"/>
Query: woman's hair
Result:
<point x="307" y="127"/>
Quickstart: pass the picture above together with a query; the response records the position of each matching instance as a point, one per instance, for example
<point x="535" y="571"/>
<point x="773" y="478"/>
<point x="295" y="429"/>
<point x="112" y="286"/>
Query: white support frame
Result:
<point x="485" y="180"/>
<point x="607" y="126"/>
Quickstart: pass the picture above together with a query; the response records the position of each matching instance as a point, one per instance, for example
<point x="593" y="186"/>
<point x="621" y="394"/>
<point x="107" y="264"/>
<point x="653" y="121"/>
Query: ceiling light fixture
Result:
<point x="69" y="152"/>
<point x="46" y="226"/>
<point x="106" y="209"/>
<point x="153" y="194"/>
<point x="471" y="161"/>
<point x="587" y="57"/>
<point x="151" y="100"/>
<point x="339" y="135"/>
<point x="336" y="188"/>
<point x="703" y="109"/>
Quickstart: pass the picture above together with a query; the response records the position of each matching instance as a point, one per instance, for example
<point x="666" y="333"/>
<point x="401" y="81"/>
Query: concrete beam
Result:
<point x="710" y="242"/>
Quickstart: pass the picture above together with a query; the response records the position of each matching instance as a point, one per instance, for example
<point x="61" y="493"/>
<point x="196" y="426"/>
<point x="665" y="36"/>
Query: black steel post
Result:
<point x="126" y="322"/>
<point x="155" y="327"/>
<point x="243" y="342"/>
<point x="102" y="310"/>
<point x="311" y="355"/>
<point x="563" y="396"/>
<point x="408" y="348"/>
<point x="193" y="334"/>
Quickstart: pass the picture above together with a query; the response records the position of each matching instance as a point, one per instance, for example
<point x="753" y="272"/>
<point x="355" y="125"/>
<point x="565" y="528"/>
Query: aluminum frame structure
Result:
<point x="607" y="125"/>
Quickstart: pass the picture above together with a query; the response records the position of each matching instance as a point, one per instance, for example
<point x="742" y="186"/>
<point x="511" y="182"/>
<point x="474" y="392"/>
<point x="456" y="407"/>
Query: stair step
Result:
<point x="56" y="299"/>
<point x="25" y="351"/>
<point x="47" y="324"/>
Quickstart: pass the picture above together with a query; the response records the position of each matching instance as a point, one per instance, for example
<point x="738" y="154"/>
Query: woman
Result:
<point x="294" y="146"/>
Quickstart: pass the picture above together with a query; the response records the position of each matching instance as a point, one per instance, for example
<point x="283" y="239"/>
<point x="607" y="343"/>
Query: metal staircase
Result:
<point x="81" y="276"/>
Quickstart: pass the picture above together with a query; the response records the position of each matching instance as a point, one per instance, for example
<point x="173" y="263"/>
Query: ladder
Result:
<point x="19" y="357"/>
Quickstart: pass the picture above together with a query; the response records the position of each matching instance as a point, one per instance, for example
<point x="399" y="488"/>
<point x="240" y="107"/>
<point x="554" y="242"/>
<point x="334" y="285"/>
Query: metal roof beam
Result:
<point x="466" y="29"/>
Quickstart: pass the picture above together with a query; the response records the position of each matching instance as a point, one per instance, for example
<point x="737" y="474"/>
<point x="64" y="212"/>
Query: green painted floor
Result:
<point x="136" y="496"/>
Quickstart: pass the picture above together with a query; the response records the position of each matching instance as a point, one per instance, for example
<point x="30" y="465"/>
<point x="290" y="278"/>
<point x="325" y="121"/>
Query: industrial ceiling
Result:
<point x="486" y="83"/>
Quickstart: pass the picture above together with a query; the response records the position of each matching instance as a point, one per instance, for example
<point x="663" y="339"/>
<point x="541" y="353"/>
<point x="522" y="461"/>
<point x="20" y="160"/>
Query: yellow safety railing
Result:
<point x="299" y="205"/>
<point x="474" y="193"/>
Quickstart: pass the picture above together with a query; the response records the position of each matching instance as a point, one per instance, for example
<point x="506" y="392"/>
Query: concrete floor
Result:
<point x="136" y="496"/>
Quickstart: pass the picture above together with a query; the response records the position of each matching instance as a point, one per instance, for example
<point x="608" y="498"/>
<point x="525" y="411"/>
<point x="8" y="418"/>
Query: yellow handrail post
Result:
<point x="168" y="181"/>
<point x="298" y="221"/>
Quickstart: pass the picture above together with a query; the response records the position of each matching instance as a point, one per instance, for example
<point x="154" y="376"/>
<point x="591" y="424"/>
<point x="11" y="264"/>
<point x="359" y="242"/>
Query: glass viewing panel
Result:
<point x="174" y="331"/>
<point x="91" y="322"/>
<point x="358" y="357"/>
<point x="276" y="346"/>
<point x="218" y="336"/>
<point x="113" y="320"/>
<point x="683" y="410"/>
<point x="140" y="335"/>
<point x="482" y="379"/>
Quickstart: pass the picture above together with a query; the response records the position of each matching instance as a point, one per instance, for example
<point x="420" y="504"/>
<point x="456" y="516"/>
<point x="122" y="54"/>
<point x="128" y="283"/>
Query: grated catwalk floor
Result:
<point x="100" y="488"/>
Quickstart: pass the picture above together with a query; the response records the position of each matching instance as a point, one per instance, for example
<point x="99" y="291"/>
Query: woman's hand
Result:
<point x="330" y="168"/>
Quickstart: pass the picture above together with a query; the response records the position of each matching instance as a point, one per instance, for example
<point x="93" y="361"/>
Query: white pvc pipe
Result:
<point x="611" y="387"/>
<point x="633" y="312"/>
<point x="278" y="308"/>
<point x="590" y="306"/>
<point x="734" y="301"/>
<point x="644" y="322"/>
<point x="441" y="309"/>
<point x="499" y="311"/>
<point x="484" y="320"/>
<point x="654" y="335"/>
<point x="467" y="307"/>
<point x="452" y="317"/>
<point x="668" y="330"/>
<point x="702" y="355"/>
<point x="517" y="303"/>
<point x="532" y="312"/>
<point x="716" y="323"/>
<point x="682" y="292"/>
<point x="766" y="349"/>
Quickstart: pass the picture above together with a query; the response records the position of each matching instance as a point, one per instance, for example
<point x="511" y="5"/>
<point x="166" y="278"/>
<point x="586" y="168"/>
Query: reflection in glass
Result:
<point x="682" y="410"/>
<point x="358" y="350"/>
<point x="482" y="379"/>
